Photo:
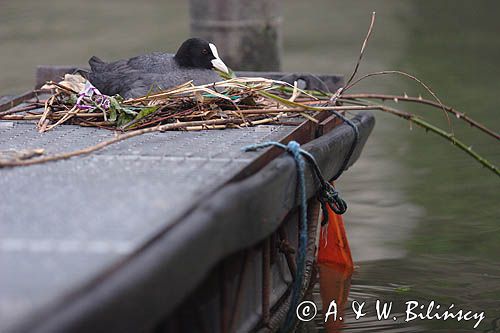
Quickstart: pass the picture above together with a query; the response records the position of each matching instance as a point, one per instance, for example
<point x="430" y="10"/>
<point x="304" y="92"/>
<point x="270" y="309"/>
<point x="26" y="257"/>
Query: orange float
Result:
<point x="333" y="245"/>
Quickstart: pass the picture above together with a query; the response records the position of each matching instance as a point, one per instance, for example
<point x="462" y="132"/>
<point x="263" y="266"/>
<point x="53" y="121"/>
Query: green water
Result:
<point x="424" y="219"/>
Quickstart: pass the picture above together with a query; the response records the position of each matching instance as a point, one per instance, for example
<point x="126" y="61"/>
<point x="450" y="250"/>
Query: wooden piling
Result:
<point x="247" y="33"/>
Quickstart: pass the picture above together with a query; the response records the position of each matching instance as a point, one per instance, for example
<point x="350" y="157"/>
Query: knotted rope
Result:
<point x="327" y="195"/>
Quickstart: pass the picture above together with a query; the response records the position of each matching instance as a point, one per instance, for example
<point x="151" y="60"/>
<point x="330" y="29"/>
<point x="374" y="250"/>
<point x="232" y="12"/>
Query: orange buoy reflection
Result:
<point x="334" y="285"/>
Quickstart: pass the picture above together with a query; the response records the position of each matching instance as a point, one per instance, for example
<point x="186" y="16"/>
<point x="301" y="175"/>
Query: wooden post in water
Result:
<point x="247" y="32"/>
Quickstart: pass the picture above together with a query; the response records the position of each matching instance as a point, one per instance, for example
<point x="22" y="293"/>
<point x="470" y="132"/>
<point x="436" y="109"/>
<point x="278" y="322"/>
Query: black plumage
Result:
<point x="143" y="74"/>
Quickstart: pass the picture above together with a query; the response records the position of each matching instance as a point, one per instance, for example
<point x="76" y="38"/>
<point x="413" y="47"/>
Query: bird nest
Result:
<point x="232" y="103"/>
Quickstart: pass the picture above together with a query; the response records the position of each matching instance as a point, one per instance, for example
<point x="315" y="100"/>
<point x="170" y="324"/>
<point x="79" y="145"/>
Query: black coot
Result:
<point x="140" y="75"/>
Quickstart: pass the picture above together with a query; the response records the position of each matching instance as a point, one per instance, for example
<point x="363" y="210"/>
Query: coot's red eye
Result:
<point x="204" y="51"/>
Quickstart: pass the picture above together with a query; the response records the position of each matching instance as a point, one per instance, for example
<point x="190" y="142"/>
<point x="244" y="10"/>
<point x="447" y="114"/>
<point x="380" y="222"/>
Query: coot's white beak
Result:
<point x="220" y="65"/>
<point x="217" y="62"/>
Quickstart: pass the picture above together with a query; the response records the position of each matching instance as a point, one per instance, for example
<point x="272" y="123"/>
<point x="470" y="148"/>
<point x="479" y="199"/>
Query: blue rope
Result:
<point x="326" y="195"/>
<point x="353" y="145"/>
<point x="355" y="129"/>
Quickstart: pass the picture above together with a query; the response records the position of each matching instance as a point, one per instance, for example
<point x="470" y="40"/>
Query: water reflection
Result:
<point x="403" y="280"/>
<point x="335" y="283"/>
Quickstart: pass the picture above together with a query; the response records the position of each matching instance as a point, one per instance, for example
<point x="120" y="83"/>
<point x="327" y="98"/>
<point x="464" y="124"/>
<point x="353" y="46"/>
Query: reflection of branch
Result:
<point x="459" y="115"/>
<point x="428" y="127"/>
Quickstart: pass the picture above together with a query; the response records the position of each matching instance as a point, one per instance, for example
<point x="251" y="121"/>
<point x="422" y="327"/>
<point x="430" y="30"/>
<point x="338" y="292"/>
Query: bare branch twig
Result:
<point x="434" y="129"/>
<point x="409" y="76"/>
<point x="459" y="115"/>
<point x="365" y="42"/>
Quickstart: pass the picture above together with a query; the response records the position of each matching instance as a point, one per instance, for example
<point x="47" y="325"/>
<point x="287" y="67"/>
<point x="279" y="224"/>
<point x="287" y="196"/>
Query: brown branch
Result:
<point x="47" y="109"/>
<point x="125" y="136"/>
<point x="22" y="109"/>
<point x="53" y="116"/>
<point x="365" y="42"/>
<point x="409" y="76"/>
<point x="459" y="115"/>
<point x="302" y="109"/>
<point x="202" y="124"/>
<point x="434" y="129"/>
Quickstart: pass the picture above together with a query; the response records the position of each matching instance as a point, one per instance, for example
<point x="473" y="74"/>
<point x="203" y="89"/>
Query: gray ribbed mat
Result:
<point x="63" y="222"/>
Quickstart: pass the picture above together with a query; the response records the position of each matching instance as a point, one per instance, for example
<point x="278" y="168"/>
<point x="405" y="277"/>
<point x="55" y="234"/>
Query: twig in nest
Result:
<point x="42" y="124"/>
<point x="18" y="110"/>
